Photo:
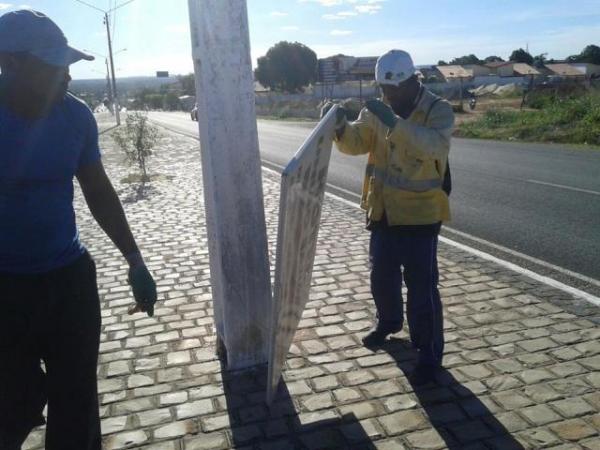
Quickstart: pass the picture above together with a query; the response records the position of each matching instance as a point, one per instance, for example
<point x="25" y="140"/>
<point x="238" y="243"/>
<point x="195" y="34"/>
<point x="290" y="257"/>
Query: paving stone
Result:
<point x="389" y="444"/>
<point x="127" y="439"/>
<point x="173" y="398"/>
<point x="360" y="410"/>
<point x="176" y="429"/>
<point x="540" y="415"/>
<point x="573" y="430"/>
<point x="345" y="395"/>
<point x="572" y="407"/>
<point x="403" y="421"/>
<point x="194" y="409"/>
<point x="326" y="382"/>
<point x="215" y="423"/>
<point x="153" y="417"/>
<point x="590" y="444"/>
<point x="364" y="430"/>
<point x="113" y="424"/>
<point x="539" y="437"/>
<point x="428" y="439"/>
<point x="471" y="431"/>
<point x="511" y="400"/>
<point x="380" y="389"/>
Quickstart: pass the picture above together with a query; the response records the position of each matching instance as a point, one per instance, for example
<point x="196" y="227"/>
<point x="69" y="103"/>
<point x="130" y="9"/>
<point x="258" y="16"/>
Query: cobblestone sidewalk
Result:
<point x="522" y="359"/>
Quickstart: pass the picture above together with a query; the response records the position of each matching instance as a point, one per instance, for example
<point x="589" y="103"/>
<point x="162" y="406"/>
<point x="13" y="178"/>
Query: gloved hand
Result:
<point x="340" y="117"/>
<point x="325" y="109"/>
<point x="383" y="112"/>
<point x="144" y="289"/>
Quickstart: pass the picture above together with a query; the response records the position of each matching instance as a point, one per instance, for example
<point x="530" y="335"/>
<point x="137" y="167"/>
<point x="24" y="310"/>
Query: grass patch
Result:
<point x="573" y="120"/>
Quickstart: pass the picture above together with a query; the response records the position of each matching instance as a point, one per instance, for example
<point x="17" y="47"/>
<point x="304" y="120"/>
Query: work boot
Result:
<point x="378" y="335"/>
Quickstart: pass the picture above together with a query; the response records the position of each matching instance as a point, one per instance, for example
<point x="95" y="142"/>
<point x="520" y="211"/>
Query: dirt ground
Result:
<point x="484" y="104"/>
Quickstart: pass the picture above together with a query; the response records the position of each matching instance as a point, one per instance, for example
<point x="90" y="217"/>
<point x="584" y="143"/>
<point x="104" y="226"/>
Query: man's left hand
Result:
<point x="383" y="112"/>
<point x="144" y="289"/>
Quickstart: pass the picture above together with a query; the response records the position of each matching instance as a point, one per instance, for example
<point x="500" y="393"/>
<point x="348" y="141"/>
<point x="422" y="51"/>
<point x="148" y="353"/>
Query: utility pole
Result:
<point x="108" y="85"/>
<point x="231" y="173"/>
<point x="116" y="106"/>
<point x="112" y="70"/>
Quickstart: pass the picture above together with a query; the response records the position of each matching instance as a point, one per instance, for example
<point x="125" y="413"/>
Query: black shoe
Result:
<point x="423" y="374"/>
<point x="377" y="336"/>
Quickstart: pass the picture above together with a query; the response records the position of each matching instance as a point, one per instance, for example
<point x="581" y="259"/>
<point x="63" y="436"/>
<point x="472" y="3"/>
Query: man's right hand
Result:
<point x="340" y="116"/>
<point x="325" y="108"/>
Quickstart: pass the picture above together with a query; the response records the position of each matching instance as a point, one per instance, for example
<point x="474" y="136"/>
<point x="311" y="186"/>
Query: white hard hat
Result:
<point x="394" y="67"/>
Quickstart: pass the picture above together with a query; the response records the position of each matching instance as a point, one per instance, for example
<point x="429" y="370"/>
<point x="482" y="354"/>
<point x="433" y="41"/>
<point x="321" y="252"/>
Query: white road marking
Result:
<point x="537" y="261"/>
<point x="511" y="266"/>
<point x="562" y="186"/>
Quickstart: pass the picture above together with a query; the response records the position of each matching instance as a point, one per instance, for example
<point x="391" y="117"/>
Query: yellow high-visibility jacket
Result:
<point x="406" y="164"/>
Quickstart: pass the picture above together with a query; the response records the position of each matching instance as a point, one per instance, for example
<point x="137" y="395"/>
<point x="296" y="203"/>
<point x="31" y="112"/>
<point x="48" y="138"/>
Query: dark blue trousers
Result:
<point x="395" y="254"/>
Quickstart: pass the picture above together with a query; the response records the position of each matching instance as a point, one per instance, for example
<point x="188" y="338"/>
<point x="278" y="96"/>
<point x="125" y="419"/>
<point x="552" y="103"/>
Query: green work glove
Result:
<point x="383" y="112"/>
<point x="144" y="289"/>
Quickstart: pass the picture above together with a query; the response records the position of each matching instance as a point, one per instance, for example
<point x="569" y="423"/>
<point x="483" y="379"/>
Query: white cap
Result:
<point x="394" y="67"/>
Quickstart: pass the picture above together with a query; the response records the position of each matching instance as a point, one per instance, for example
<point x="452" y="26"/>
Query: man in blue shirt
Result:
<point x="49" y="304"/>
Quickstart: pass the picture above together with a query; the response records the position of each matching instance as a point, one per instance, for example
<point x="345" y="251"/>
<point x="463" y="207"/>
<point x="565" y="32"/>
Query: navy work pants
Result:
<point x="52" y="317"/>
<point x="396" y="254"/>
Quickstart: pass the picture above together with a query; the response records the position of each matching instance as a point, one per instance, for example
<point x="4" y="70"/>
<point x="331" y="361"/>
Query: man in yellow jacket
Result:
<point x="407" y="138"/>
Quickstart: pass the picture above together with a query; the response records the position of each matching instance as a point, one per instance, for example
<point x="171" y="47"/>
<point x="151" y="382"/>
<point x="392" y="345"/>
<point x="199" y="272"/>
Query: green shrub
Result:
<point x="136" y="139"/>
<point x="574" y="119"/>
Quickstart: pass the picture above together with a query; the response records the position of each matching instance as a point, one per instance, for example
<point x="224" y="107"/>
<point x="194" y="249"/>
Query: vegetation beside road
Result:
<point x="571" y="120"/>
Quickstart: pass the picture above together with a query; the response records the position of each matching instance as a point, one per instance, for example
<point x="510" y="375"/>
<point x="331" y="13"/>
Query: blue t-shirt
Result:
<point x="38" y="160"/>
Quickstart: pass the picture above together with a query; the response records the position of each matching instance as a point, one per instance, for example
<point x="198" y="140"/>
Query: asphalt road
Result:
<point x="536" y="205"/>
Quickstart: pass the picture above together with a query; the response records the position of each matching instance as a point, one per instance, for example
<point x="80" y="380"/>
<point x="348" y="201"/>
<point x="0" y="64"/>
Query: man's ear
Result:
<point x="9" y="62"/>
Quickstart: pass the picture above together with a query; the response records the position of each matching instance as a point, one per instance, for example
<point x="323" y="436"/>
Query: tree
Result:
<point x="188" y="84"/>
<point x="137" y="139"/>
<point x="287" y="67"/>
<point x="521" y="56"/>
<point x="540" y="60"/>
<point x="467" y="59"/>
<point x="441" y="62"/>
<point x="493" y="58"/>
<point x="590" y="54"/>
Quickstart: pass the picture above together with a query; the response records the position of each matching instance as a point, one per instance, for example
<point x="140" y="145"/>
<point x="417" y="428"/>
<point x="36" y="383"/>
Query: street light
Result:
<point x="110" y="52"/>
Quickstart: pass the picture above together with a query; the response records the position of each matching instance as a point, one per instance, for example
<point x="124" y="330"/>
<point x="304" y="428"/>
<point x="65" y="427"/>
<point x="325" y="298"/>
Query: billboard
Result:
<point x="302" y="190"/>
<point x="162" y="74"/>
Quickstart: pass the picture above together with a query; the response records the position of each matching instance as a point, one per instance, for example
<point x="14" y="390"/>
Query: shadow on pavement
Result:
<point x="459" y="417"/>
<point x="254" y="424"/>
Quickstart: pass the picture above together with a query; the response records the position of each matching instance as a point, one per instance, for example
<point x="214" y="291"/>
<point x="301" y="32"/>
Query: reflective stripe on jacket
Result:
<point x="406" y="164"/>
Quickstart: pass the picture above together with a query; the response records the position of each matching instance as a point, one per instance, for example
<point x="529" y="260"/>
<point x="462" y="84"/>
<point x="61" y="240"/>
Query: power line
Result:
<point x="91" y="6"/>
<point x="121" y="5"/>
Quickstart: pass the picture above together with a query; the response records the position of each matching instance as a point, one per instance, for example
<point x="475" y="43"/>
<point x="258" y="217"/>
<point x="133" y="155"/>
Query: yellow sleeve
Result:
<point x="357" y="137"/>
<point x="431" y="141"/>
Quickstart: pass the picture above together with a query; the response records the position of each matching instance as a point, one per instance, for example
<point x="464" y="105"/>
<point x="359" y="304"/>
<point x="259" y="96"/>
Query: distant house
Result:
<point x="340" y="68"/>
<point x="566" y="70"/>
<point x="512" y="69"/>
<point x="454" y="72"/>
<point x="477" y="70"/>
<point x="589" y="70"/>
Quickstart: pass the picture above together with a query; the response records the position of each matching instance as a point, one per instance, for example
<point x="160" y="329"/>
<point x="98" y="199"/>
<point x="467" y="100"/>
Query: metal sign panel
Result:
<point x="302" y="190"/>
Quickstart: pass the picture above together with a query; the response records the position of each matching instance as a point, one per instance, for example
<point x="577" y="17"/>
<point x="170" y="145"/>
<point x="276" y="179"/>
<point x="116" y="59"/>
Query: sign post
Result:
<point x="231" y="172"/>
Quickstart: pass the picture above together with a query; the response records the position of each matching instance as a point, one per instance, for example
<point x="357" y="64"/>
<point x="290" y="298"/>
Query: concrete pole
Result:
<point x="235" y="222"/>
<point x="109" y="87"/>
<point x="112" y="69"/>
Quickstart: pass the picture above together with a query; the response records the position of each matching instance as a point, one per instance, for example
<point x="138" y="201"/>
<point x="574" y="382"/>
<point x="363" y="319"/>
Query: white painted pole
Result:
<point x="231" y="171"/>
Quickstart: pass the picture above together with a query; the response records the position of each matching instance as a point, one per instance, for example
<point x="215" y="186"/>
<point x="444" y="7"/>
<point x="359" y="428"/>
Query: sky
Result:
<point x="155" y="33"/>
